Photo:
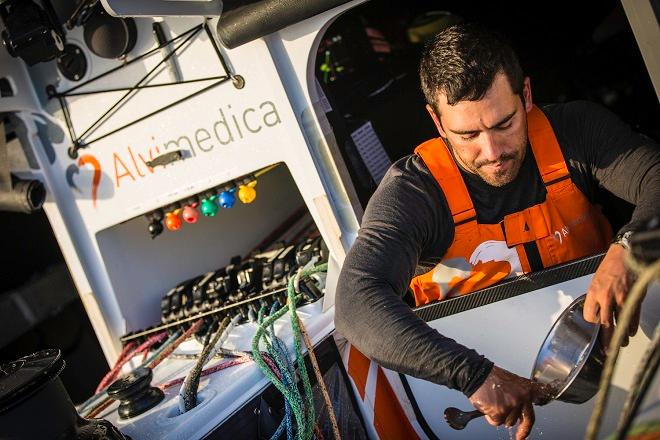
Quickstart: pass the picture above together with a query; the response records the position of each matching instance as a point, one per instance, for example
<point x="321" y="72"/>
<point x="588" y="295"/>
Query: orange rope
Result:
<point x="193" y="328"/>
<point x="319" y="379"/>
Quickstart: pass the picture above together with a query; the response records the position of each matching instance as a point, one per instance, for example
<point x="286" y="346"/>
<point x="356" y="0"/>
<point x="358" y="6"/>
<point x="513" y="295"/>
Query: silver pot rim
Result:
<point x="578" y="303"/>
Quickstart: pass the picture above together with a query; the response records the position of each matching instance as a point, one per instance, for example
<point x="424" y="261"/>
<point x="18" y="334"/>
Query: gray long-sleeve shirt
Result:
<point x="407" y="228"/>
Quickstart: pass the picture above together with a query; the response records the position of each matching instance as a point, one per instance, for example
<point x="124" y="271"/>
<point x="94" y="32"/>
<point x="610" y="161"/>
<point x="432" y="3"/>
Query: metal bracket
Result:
<point x="186" y="37"/>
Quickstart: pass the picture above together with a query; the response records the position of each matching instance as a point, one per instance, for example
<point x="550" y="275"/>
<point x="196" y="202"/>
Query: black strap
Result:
<point x="418" y="413"/>
<point x="533" y="256"/>
<point x="557" y="180"/>
<point x="467" y="220"/>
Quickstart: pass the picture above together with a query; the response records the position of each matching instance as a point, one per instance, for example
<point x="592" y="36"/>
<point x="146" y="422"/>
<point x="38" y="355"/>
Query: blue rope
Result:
<point x="301" y="403"/>
<point x="279" y="354"/>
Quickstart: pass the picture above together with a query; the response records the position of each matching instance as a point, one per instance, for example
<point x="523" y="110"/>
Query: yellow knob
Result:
<point x="247" y="193"/>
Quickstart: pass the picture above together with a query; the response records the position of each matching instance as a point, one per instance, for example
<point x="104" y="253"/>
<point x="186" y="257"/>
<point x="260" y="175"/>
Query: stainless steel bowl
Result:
<point x="571" y="358"/>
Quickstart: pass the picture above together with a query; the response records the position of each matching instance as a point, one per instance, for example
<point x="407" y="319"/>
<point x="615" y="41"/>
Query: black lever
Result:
<point x="458" y="419"/>
<point x="165" y="159"/>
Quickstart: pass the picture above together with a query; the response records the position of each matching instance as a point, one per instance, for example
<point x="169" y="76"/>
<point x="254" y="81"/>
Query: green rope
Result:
<point x="291" y="397"/>
<point x="280" y="352"/>
<point x="309" y="426"/>
<point x="303" y="411"/>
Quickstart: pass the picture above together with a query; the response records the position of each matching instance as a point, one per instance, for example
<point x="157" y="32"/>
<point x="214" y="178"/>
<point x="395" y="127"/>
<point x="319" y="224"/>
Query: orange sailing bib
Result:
<point x="564" y="227"/>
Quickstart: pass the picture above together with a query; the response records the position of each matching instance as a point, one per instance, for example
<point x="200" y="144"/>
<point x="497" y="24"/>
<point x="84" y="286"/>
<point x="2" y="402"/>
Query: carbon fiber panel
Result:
<point x="510" y="288"/>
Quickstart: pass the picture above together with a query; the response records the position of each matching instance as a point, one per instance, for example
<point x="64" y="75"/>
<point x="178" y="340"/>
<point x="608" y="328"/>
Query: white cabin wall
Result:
<point x="128" y="189"/>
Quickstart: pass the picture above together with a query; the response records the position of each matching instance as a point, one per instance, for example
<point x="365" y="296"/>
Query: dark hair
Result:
<point x="462" y="61"/>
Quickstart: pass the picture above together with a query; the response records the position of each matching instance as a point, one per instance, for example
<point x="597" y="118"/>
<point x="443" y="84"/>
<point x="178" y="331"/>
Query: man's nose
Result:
<point x="491" y="149"/>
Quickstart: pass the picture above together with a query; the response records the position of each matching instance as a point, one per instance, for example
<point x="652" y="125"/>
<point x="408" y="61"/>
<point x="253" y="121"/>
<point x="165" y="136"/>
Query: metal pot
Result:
<point x="571" y="359"/>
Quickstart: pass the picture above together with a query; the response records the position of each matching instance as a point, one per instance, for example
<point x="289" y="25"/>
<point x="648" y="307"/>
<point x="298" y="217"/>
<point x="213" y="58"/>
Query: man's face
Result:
<point x="488" y="137"/>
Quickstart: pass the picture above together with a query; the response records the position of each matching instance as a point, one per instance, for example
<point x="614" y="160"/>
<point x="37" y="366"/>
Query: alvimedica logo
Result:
<point x="130" y="164"/>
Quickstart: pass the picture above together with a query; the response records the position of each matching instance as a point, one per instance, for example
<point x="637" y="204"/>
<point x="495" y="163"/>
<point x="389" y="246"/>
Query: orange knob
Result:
<point x="172" y="221"/>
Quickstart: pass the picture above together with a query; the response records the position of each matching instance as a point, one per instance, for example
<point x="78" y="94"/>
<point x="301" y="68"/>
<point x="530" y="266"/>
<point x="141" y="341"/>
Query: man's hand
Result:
<point x="506" y="398"/>
<point x="607" y="293"/>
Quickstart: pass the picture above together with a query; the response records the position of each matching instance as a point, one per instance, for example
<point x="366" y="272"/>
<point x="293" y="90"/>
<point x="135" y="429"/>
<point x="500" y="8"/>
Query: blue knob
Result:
<point x="227" y="198"/>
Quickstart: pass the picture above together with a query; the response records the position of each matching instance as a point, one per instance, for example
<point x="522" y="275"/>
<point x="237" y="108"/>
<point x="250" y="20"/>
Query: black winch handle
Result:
<point x="165" y="159"/>
<point x="458" y="419"/>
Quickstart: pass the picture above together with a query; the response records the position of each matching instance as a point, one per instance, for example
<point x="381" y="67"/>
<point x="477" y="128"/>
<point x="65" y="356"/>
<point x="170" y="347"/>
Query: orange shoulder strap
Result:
<point x="547" y="153"/>
<point x="440" y="162"/>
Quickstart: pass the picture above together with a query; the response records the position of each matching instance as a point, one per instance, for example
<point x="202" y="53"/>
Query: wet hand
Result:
<point x="505" y="398"/>
<point x="607" y="293"/>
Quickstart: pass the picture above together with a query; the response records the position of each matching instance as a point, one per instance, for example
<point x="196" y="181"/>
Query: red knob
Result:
<point x="190" y="214"/>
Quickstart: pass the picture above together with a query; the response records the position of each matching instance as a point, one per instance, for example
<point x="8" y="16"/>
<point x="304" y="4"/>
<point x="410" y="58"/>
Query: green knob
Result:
<point x="209" y="207"/>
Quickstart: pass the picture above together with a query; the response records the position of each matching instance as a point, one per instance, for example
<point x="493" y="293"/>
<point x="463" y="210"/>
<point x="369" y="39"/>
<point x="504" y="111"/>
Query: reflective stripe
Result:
<point x="380" y="403"/>
<point x="358" y="369"/>
<point x="389" y="418"/>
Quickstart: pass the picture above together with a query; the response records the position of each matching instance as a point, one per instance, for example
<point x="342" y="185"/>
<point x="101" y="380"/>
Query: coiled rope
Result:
<point x="301" y="404"/>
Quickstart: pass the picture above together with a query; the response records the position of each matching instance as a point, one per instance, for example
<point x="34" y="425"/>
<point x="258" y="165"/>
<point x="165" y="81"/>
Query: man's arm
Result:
<point x="404" y="217"/>
<point x="627" y="164"/>
<point x="623" y="162"/>
<point x="400" y="220"/>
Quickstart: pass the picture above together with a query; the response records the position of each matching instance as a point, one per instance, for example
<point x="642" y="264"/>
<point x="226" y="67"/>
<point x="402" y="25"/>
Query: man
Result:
<point x="506" y="189"/>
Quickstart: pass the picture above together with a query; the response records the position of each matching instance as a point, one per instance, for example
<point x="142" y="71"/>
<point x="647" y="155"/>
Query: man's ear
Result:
<point x="436" y="121"/>
<point x="527" y="94"/>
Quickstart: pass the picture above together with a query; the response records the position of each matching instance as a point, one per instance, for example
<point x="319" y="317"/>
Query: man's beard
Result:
<point x="501" y="177"/>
